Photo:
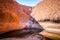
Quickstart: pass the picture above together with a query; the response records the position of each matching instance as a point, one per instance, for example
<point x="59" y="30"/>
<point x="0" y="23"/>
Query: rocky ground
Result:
<point x="31" y="37"/>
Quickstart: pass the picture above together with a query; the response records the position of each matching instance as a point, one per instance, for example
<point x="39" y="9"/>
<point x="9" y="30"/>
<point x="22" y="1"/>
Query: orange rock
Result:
<point x="12" y="15"/>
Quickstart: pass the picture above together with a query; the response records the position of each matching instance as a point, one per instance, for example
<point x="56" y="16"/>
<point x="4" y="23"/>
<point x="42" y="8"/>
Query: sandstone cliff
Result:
<point x="47" y="13"/>
<point x="12" y="15"/>
<point x="47" y="9"/>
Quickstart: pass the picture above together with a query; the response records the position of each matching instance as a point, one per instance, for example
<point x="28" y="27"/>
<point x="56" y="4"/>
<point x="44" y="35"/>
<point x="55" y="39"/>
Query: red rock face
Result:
<point x="12" y="15"/>
<point x="15" y="20"/>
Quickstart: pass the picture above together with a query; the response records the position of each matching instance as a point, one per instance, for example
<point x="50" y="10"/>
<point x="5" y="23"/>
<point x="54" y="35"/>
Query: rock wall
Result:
<point x="47" y="9"/>
<point x="12" y="15"/>
<point x="47" y="13"/>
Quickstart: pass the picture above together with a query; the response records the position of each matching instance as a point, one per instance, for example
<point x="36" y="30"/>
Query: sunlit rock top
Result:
<point x="47" y="9"/>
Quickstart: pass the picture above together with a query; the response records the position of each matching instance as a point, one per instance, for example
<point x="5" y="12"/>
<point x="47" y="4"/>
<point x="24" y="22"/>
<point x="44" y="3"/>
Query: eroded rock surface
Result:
<point x="47" y="13"/>
<point x="12" y="15"/>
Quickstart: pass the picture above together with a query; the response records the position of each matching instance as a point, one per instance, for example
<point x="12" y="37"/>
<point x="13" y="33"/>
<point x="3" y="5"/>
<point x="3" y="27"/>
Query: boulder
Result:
<point x="15" y="20"/>
<point x="12" y="15"/>
<point x="47" y="14"/>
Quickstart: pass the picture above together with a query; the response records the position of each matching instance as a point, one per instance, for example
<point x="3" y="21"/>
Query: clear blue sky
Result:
<point x="28" y="2"/>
